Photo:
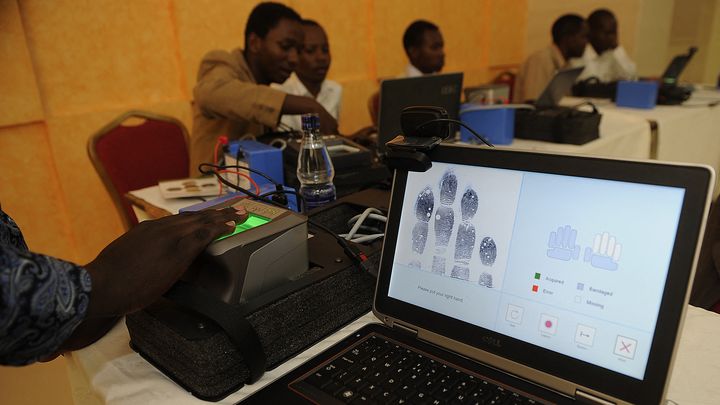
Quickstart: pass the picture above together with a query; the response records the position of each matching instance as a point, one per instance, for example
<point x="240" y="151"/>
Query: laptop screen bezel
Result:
<point x="402" y="90"/>
<point x="694" y="179"/>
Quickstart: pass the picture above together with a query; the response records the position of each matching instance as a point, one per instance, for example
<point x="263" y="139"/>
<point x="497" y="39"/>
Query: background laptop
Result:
<point x="676" y="67"/>
<point x="442" y="90"/>
<point x="560" y="86"/>
<point x="523" y="278"/>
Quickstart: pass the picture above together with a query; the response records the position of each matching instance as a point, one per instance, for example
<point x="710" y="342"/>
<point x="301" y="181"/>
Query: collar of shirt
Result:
<point x="293" y="85"/>
<point x="412" y="71"/>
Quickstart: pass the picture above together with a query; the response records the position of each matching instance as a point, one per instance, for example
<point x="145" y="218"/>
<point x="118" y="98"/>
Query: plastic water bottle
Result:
<point x="315" y="169"/>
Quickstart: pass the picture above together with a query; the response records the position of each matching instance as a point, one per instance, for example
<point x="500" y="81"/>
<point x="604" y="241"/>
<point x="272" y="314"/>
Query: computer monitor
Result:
<point x="441" y="90"/>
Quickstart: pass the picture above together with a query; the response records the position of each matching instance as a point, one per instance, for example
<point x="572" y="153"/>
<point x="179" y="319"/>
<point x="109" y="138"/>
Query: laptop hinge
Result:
<point x="405" y="329"/>
<point x="585" y="398"/>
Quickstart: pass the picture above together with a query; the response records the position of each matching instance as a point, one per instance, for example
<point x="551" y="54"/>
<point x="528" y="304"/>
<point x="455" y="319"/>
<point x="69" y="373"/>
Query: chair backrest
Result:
<point x="506" y="77"/>
<point x="129" y="157"/>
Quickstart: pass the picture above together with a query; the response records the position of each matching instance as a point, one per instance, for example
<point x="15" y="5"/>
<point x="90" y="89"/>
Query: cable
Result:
<point x="250" y="179"/>
<point x="282" y="142"/>
<point x="224" y="167"/>
<point x="456" y="122"/>
<point x="359" y="219"/>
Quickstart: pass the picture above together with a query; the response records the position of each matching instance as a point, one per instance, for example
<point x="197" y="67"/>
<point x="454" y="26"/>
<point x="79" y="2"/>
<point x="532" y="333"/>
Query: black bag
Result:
<point x="559" y="124"/>
<point x="592" y="87"/>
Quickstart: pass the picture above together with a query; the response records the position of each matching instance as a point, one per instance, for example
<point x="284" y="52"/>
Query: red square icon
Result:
<point x="535" y="288"/>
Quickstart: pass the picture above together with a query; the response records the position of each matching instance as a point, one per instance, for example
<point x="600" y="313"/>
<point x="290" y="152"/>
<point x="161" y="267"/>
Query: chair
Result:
<point x="129" y="157"/>
<point x="506" y="77"/>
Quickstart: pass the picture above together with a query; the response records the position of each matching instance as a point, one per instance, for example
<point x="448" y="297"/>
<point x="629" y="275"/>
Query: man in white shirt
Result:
<point x="309" y="78"/>
<point x="603" y="57"/>
<point x="424" y="47"/>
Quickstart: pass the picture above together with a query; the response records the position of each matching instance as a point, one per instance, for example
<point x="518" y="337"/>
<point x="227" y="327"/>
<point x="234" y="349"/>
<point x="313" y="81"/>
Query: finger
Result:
<point x="604" y="243"/>
<point x="616" y="253"/>
<point x="596" y="244"/>
<point x="573" y="237"/>
<point x="205" y="225"/>
<point x="197" y="240"/>
<point x="611" y="246"/>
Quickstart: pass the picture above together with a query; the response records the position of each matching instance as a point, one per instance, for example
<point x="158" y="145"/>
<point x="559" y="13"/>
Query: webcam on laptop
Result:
<point x="423" y="128"/>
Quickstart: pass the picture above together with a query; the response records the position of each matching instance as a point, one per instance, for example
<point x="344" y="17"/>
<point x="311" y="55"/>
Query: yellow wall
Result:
<point x="69" y="67"/>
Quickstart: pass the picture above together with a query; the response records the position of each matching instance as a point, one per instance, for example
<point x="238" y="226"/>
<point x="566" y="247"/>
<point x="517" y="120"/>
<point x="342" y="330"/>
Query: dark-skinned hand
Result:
<point x="137" y="268"/>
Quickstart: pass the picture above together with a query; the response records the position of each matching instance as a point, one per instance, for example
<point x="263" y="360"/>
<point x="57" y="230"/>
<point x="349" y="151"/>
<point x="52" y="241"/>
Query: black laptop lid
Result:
<point x="676" y="67"/>
<point x="560" y="86"/>
<point x="574" y="267"/>
<point x="441" y="90"/>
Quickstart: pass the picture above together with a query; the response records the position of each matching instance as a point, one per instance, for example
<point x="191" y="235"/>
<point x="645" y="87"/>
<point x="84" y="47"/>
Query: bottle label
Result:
<point x="318" y="195"/>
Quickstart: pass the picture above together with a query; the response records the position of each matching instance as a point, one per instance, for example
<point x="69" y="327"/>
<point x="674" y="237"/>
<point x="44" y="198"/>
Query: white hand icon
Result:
<point x="605" y="252"/>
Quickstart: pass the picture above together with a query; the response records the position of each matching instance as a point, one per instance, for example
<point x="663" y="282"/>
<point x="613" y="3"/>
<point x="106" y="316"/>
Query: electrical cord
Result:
<point x="358" y="220"/>
<point x="456" y="122"/>
<point x="355" y="254"/>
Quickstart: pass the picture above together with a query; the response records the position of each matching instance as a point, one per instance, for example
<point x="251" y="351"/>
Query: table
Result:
<point x="684" y="133"/>
<point x="110" y="372"/>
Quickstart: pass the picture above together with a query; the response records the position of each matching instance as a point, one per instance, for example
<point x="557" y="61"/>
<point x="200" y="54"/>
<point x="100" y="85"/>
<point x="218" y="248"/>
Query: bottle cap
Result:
<point x="310" y="122"/>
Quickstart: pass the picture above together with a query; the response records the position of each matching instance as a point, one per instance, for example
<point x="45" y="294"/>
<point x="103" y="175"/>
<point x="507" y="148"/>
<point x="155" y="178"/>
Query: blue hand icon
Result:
<point x="562" y="245"/>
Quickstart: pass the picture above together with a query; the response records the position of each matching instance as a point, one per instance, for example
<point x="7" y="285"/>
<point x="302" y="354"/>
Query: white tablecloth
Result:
<point x="621" y="136"/>
<point x="110" y="372"/>
<point x="685" y="133"/>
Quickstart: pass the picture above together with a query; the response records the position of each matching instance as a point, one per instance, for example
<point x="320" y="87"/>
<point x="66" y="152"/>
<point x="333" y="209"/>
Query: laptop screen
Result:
<point x="575" y="265"/>
<point x="441" y="90"/>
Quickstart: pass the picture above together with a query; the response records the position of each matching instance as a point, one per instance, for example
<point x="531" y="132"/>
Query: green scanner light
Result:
<point x="253" y="221"/>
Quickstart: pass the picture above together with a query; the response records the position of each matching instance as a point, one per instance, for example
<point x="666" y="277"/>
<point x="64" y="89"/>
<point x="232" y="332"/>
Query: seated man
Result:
<point x="603" y="57"/>
<point x="232" y="94"/>
<point x="309" y="79"/>
<point x="423" y="45"/>
<point x="424" y="48"/>
<point x="569" y="34"/>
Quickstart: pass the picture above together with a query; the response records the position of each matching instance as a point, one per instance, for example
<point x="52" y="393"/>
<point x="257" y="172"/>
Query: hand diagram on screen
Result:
<point x="424" y="205"/>
<point x="605" y="252"/>
<point x="465" y="239"/>
<point x="444" y="220"/>
<point x="562" y="245"/>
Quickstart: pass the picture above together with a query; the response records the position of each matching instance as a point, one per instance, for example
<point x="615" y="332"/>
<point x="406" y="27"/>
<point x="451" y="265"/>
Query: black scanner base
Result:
<point x="198" y="355"/>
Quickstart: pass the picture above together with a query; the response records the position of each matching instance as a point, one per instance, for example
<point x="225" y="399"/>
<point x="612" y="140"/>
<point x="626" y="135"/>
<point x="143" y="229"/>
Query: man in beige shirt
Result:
<point x="232" y="94"/>
<point x="570" y="35"/>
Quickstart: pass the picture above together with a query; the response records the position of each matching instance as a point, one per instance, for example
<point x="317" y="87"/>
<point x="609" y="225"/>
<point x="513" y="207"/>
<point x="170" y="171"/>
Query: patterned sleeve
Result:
<point x="42" y="299"/>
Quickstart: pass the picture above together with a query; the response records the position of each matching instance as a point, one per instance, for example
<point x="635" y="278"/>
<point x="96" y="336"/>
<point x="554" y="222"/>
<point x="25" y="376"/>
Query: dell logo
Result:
<point x="492" y="341"/>
<point x="446" y="90"/>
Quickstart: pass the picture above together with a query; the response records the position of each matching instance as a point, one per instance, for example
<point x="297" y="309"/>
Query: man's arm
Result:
<point x="304" y="105"/>
<point x="49" y="306"/>
<point x="223" y="91"/>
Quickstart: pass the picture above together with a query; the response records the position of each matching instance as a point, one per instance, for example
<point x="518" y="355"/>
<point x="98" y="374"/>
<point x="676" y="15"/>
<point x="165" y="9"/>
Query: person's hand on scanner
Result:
<point x="137" y="268"/>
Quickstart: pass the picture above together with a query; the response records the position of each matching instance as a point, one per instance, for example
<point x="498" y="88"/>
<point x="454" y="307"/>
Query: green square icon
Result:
<point x="537" y="276"/>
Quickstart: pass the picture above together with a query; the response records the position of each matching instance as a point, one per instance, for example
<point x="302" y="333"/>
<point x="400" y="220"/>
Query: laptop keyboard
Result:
<point x="381" y="371"/>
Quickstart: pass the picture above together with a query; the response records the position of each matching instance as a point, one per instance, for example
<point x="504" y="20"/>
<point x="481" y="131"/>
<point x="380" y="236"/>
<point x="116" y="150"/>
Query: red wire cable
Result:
<point x="254" y="184"/>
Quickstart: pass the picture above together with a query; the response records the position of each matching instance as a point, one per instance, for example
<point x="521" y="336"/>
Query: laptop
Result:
<point x="441" y="90"/>
<point x="676" y="67"/>
<point x="517" y="277"/>
<point x="560" y="86"/>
